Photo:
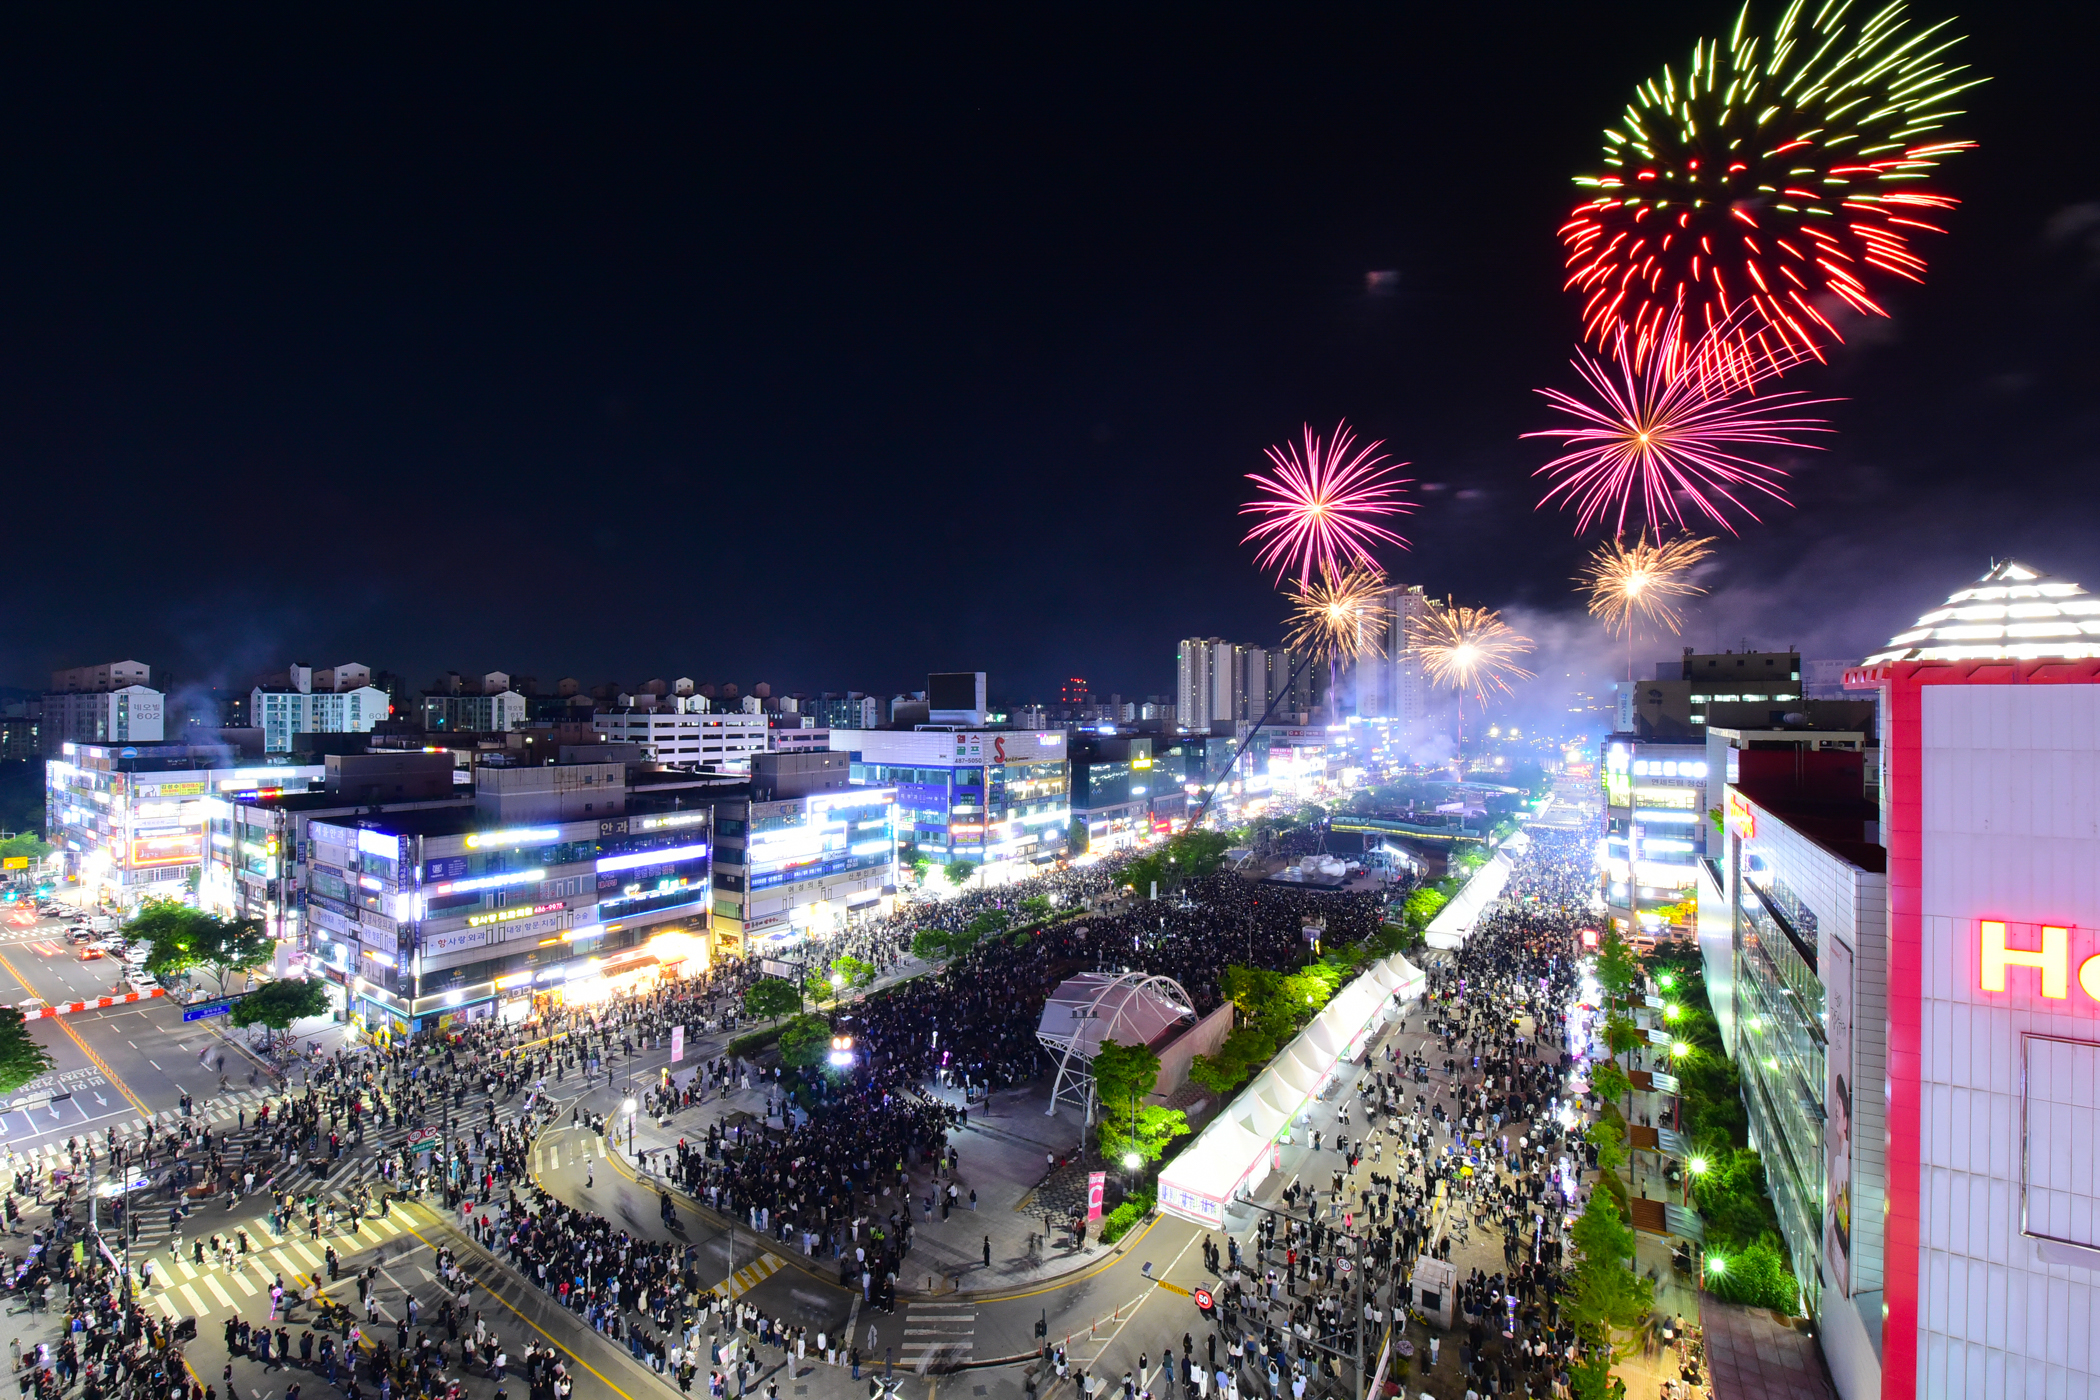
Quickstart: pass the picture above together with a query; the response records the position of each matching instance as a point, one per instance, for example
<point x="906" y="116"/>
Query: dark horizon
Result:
<point x="836" y="351"/>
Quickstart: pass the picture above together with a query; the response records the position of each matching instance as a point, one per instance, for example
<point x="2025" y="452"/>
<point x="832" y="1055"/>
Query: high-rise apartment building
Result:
<point x="1391" y="685"/>
<point x="1204" y="682"/>
<point x="114" y="703"/>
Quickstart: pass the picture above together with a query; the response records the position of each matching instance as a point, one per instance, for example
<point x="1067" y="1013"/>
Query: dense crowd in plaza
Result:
<point x="1474" y="1112"/>
<point x="1464" y="1132"/>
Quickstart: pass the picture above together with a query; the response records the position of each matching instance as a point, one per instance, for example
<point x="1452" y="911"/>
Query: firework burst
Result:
<point x="1339" y="617"/>
<point x="1648" y="434"/>
<point x="1470" y="650"/>
<point x="1321" y="506"/>
<point x="1776" y="172"/>
<point x="1631" y="584"/>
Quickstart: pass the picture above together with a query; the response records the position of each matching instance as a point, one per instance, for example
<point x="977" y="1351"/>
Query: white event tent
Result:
<point x="1237" y="1148"/>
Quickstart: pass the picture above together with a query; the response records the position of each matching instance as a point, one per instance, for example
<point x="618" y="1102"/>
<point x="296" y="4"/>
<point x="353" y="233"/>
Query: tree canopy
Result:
<point x="180" y="939"/>
<point x="773" y="998"/>
<point x="1123" y="1075"/>
<point x="805" y="1042"/>
<point x="21" y="1058"/>
<point x="278" y="1004"/>
<point x="1155" y="1128"/>
<point x="960" y="871"/>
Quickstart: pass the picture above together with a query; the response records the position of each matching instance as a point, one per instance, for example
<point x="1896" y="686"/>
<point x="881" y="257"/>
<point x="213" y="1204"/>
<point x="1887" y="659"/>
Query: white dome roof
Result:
<point x="2012" y="613"/>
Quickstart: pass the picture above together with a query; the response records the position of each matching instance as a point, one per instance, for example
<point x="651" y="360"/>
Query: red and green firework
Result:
<point x="1776" y="176"/>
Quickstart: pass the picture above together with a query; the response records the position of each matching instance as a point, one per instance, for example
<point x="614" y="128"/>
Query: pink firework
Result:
<point x="1659" y="427"/>
<point x="1321" y="508"/>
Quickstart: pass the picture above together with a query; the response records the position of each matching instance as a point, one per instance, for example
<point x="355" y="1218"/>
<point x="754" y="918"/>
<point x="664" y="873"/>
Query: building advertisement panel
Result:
<point x="1836" y="972"/>
<point x="436" y="944"/>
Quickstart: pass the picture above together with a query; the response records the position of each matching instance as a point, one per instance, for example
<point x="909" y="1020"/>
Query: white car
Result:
<point x="140" y="982"/>
<point x="136" y="954"/>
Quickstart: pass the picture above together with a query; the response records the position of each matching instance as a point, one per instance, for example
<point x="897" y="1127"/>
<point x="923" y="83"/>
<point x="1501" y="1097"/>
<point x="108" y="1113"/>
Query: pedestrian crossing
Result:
<point x="743" y="1280"/>
<point x="936" y="1332"/>
<point x="181" y="1286"/>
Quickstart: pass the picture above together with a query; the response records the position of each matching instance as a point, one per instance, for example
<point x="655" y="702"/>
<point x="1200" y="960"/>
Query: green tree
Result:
<point x="857" y="972"/>
<point x="1423" y="905"/>
<point x="180" y="939"/>
<point x="26" y="843"/>
<point x="805" y="1042"/>
<point x="1605" y="1297"/>
<point x="1610" y="1137"/>
<point x="960" y="871"/>
<point x="1148" y="1137"/>
<point x="1076" y="837"/>
<point x="1610" y="1082"/>
<point x="1616" y="969"/>
<point x="915" y="860"/>
<point x="773" y="998"/>
<point x="1123" y="1075"/>
<point x="277" y="1004"/>
<point x="21" y="1058"/>
<point x="930" y="945"/>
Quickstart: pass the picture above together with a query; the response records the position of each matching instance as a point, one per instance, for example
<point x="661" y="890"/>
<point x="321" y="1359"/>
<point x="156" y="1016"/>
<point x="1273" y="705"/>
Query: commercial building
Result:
<point x="114" y="703"/>
<point x="1803" y="881"/>
<point x="257" y="847"/>
<point x="802" y="852"/>
<point x="1676" y="701"/>
<point x="548" y="890"/>
<point x="301" y="700"/>
<point x="1114" y="783"/>
<point x="994" y="796"/>
<point x="130" y="821"/>
<point x="1655" y="826"/>
<point x="686" y="734"/>
<point x="1912" y="934"/>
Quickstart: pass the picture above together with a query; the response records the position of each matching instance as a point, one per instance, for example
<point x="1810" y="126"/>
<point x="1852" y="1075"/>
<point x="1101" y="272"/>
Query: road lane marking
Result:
<point x="212" y="1286"/>
<point x="93" y="1058"/>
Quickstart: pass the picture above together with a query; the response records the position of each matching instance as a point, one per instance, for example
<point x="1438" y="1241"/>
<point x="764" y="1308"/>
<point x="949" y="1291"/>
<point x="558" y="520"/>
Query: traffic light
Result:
<point x="1042" y="1324"/>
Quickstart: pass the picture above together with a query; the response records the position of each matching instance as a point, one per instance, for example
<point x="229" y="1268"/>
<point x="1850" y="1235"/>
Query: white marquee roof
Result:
<point x="2012" y="613"/>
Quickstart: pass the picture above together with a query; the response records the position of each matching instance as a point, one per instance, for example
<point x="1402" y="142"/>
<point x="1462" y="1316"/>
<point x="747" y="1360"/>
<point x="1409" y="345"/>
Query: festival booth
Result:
<point x="1454" y="922"/>
<point x="1237" y="1149"/>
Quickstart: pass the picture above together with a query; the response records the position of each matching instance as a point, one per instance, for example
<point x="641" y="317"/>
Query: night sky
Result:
<point x="625" y="343"/>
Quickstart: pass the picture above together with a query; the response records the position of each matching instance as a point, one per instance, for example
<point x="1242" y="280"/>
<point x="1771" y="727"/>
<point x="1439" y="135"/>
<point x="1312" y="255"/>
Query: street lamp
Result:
<point x="1132" y="1161"/>
<point x="841" y="1051"/>
<point x="629" y="1107"/>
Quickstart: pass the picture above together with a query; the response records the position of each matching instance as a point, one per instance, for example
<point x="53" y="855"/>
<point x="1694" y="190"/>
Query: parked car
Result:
<point x="79" y="935"/>
<point x="140" y="982"/>
<point x="136" y="953"/>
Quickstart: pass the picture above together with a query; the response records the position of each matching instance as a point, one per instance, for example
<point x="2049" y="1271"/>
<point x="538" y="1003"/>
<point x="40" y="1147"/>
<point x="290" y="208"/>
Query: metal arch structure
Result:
<point x="1130" y="1008"/>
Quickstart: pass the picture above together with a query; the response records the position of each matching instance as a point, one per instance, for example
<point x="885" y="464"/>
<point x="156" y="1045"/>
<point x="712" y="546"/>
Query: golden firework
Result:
<point x="1631" y="584"/>
<point x="1470" y="650"/>
<point x="1340" y="616"/>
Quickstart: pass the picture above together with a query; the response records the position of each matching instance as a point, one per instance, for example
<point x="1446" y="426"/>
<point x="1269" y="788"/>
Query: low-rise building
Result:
<point x="688" y="734"/>
<point x="547" y="891"/>
<point x="131" y="821"/>
<point x="997" y="797"/>
<point x="802" y="851"/>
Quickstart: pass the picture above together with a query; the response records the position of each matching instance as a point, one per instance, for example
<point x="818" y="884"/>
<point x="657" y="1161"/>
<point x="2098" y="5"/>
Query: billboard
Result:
<point x="180" y="847"/>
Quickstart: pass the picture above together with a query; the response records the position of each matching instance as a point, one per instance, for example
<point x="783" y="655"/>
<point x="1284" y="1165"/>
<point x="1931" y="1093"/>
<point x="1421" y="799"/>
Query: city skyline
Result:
<point x="314" y="329"/>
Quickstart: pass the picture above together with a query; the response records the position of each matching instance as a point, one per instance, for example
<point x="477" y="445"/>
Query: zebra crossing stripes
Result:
<point x="937" y="1331"/>
<point x="184" y="1283"/>
<point x="750" y="1276"/>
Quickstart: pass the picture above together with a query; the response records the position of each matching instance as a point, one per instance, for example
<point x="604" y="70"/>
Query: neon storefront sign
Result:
<point x="2051" y="961"/>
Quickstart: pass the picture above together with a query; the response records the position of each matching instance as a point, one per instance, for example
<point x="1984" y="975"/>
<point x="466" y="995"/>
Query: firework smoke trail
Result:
<point x="1773" y="172"/>
<point x="1646" y="434"/>
<point x="1630" y="584"/>
<point x="1321" y="506"/>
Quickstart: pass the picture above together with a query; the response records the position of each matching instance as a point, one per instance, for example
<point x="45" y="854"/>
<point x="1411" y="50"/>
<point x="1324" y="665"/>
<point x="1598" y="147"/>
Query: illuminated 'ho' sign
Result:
<point x="2051" y="961"/>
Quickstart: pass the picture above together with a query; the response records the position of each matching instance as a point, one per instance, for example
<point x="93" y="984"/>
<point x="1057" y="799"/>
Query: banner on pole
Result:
<point x="1096" y="1188"/>
<point x="677" y="1044"/>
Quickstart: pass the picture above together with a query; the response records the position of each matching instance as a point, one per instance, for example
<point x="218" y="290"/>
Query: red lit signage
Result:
<point x="2044" y="948"/>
